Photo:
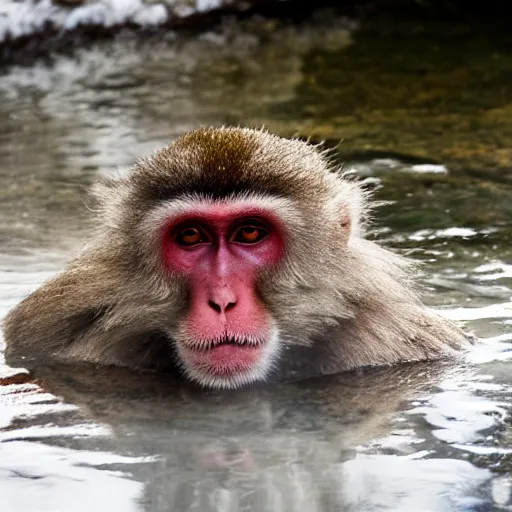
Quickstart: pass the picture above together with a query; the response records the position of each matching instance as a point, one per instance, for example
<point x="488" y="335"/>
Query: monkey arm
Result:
<point x="51" y="318"/>
<point x="73" y="317"/>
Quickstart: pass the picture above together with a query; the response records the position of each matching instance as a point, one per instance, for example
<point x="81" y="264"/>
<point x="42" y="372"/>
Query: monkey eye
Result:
<point x="190" y="236"/>
<point x="250" y="234"/>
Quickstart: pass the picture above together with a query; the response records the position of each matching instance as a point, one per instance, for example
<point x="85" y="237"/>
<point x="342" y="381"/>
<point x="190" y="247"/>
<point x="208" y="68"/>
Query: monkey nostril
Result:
<point x="214" y="306"/>
<point x="229" y="305"/>
<point x="219" y="309"/>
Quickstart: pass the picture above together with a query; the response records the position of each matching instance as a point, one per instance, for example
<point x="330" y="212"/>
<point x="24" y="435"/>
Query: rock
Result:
<point x="10" y="375"/>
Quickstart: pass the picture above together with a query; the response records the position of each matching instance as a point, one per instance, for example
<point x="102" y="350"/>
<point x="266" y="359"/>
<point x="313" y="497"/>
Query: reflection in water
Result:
<point x="338" y="441"/>
<point x="420" y="437"/>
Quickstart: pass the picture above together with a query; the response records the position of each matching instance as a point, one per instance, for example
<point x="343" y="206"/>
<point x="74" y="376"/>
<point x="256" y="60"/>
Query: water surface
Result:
<point x="424" y="437"/>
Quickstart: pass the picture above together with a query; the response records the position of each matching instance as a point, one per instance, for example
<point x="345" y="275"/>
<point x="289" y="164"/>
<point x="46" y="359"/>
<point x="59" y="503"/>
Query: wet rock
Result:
<point x="10" y="375"/>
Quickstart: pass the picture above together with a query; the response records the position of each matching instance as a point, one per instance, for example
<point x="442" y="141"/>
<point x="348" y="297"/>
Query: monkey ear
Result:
<point x="351" y="207"/>
<point x="345" y="219"/>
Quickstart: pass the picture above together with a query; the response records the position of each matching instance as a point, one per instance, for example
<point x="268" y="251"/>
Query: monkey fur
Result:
<point x="338" y="300"/>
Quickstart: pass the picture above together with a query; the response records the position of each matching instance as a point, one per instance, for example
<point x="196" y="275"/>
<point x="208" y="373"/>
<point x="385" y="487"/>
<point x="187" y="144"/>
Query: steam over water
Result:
<point x="426" y="437"/>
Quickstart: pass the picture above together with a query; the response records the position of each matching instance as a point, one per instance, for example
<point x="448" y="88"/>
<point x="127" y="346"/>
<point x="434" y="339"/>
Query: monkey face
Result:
<point x="228" y="336"/>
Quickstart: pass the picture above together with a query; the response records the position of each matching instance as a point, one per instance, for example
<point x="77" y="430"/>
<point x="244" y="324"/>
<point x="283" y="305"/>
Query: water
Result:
<point x="423" y="437"/>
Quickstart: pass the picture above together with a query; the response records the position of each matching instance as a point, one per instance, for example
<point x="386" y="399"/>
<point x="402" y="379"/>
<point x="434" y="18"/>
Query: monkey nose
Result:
<point x="221" y="306"/>
<point x="221" y="298"/>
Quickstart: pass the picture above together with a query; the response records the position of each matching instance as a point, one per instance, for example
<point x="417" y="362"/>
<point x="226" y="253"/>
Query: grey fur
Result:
<point x="349" y="302"/>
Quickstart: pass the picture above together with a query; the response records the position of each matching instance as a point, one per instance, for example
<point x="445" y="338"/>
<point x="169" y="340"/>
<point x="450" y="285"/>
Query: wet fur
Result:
<point x="349" y="301"/>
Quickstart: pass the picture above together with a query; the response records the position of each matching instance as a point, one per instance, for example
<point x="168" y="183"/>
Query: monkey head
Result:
<point x="238" y="218"/>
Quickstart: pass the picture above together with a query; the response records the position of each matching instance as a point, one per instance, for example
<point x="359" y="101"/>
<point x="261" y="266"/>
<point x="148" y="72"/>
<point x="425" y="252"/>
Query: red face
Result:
<point x="227" y="337"/>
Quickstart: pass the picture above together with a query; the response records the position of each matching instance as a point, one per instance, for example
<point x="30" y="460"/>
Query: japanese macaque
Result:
<point x="232" y="255"/>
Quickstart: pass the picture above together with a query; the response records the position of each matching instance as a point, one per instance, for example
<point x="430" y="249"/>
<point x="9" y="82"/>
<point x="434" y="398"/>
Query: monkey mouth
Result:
<point x="234" y="341"/>
<point x="224" y="357"/>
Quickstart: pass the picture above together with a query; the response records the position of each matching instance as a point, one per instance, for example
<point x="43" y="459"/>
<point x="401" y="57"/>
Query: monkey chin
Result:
<point x="229" y="364"/>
